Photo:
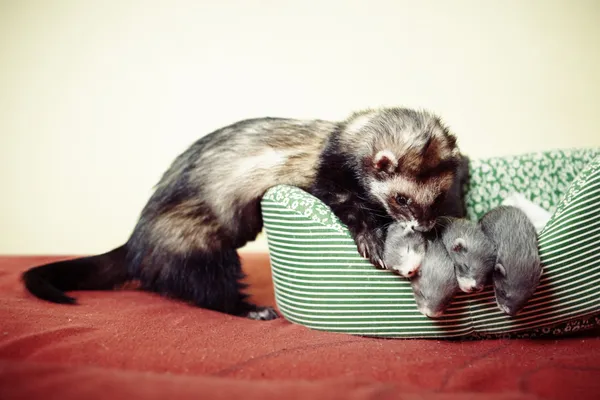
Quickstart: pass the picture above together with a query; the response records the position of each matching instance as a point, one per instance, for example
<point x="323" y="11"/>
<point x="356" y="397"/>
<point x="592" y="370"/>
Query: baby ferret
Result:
<point x="434" y="285"/>
<point x="471" y="250"/>
<point x="517" y="271"/>
<point x="428" y="265"/>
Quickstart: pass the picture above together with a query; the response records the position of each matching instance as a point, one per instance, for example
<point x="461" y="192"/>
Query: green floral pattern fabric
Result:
<point x="542" y="177"/>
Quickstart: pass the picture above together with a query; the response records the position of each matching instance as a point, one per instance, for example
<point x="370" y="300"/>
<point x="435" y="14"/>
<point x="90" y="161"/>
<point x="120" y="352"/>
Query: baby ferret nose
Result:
<point x="472" y="288"/>
<point x="430" y="313"/>
<point x="475" y="288"/>
<point x="413" y="271"/>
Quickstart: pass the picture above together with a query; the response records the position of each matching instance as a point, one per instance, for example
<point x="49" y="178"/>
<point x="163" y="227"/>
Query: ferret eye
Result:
<point x="401" y="200"/>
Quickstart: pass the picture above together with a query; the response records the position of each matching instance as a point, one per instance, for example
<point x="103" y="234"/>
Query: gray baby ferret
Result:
<point x="471" y="250"/>
<point x="517" y="272"/>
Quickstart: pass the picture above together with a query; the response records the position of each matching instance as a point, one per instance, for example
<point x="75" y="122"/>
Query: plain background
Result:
<point x="98" y="97"/>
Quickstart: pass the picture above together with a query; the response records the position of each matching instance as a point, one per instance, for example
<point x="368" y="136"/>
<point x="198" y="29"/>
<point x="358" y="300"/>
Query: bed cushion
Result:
<point x="323" y="283"/>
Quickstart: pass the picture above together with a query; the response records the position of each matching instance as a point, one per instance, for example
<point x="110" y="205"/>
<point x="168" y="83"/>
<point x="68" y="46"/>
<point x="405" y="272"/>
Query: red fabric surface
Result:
<point x="131" y="344"/>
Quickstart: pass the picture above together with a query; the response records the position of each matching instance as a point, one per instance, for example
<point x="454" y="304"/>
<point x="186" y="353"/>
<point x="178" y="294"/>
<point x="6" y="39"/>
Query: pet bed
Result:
<point x="323" y="283"/>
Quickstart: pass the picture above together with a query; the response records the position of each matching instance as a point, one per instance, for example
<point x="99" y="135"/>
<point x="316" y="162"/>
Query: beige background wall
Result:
<point x="97" y="97"/>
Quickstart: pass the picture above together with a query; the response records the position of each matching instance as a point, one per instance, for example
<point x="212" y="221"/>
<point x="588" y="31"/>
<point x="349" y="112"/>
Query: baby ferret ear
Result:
<point x="499" y="268"/>
<point x="459" y="245"/>
<point x="385" y="161"/>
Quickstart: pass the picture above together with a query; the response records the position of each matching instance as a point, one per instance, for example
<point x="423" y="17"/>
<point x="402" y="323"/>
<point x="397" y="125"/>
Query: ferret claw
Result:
<point x="368" y="248"/>
<point x="362" y="250"/>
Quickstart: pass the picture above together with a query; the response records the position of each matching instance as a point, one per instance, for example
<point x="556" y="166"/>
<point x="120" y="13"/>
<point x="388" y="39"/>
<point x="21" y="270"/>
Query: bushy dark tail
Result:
<point x="101" y="272"/>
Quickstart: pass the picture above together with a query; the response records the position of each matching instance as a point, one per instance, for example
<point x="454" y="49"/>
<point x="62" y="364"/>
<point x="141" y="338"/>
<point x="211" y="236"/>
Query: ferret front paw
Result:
<point x="370" y="246"/>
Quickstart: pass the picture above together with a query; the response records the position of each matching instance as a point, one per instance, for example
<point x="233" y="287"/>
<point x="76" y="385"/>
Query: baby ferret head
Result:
<point x="514" y="287"/>
<point x="409" y="162"/>
<point x="404" y="249"/>
<point x="473" y="253"/>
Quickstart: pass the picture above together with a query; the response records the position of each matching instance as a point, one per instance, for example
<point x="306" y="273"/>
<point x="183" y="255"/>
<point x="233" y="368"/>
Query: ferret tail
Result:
<point x="100" y="272"/>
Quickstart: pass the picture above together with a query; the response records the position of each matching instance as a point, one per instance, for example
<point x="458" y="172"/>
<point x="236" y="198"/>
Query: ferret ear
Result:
<point x="385" y="161"/>
<point x="499" y="268"/>
<point x="459" y="245"/>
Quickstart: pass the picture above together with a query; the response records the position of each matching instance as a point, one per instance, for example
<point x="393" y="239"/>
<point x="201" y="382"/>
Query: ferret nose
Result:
<point x="469" y="285"/>
<point x="423" y="227"/>
<point x="430" y="313"/>
<point x="507" y="310"/>
<point x="474" y="289"/>
<point x="411" y="226"/>
<point x="407" y="272"/>
<point x="412" y="271"/>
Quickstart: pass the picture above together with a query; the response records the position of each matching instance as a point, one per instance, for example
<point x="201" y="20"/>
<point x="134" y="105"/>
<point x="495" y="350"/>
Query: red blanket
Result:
<point x="130" y="344"/>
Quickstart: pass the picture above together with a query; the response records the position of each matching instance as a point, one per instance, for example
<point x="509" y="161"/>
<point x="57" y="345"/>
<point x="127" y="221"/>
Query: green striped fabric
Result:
<point x="322" y="282"/>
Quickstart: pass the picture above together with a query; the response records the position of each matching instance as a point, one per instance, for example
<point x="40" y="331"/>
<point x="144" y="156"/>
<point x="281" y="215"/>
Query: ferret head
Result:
<point x="408" y="163"/>
<point x="404" y="250"/>
<point x="473" y="253"/>
<point x="434" y="285"/>
<point x="513" y="287"/>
